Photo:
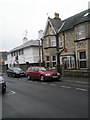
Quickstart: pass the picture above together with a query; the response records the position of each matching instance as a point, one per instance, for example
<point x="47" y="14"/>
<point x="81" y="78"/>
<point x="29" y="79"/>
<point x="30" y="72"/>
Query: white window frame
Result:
<point x="54" y="61"/>
<point x="82" y="60"/>
<point x="81" y="34"/>
<point x="53" y="41"/>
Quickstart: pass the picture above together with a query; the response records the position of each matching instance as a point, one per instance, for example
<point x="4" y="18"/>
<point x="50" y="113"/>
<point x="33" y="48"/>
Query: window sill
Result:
<point x="50" y="47"/>
<point x="81" y="39"/>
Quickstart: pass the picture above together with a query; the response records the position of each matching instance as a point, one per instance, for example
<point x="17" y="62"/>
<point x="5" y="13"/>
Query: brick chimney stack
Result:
<point x="56" y="16"/>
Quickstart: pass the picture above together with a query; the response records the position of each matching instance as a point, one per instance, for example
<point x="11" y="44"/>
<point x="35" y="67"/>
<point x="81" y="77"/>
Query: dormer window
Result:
<point x="81" y="32"/>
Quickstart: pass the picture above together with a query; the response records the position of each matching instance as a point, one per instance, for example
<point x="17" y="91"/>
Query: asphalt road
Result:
<point x="35" y="99"/>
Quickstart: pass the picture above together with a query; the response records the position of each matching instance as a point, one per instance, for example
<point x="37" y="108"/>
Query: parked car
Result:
<point x="42" y="74"/>
<point x="15" y="72"/>
<point x="2" y="85"/>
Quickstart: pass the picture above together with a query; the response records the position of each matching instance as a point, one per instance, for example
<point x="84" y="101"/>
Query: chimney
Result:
<point x="56" y="16"/>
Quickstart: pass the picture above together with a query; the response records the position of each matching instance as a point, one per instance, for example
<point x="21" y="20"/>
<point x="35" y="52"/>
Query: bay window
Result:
<point x="46" y="42"/>
<point x="53" y="41"/>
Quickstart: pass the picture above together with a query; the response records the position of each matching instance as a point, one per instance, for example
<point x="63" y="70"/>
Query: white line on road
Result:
<point x="81" y="89"/>
<point x="35" y="82"/>
<point x="53" y="84"/>
<point x="30" y="81"/>
<point x="65" y="86"/>
<point x="11" y="92"/>
<point x="44" y="83"/>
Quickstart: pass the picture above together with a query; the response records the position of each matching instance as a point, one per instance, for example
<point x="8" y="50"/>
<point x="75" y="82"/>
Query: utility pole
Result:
<point x="58" y="57"/>
<point x="39" y="53"/>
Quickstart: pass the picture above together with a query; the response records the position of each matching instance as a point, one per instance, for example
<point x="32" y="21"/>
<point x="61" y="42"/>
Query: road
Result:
<point x="35" y="99"/>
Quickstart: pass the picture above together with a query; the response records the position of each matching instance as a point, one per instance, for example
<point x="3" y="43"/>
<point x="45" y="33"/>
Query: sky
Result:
<point x="17" y="16"/>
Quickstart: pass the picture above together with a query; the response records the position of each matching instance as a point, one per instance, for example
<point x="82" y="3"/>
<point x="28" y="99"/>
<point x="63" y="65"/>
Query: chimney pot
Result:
<point x="56" y="15"/>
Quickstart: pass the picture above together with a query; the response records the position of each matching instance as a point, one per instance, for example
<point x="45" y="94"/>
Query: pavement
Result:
<point x="75" y="80"/>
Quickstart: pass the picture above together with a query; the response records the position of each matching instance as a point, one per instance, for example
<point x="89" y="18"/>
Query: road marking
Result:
<point x="30" y="81"/>
<point x="82" y="82"/>
<point x="35" y="82"/>
<point x="65" y="86"/>
<point x="44" y="83"/>
<point x="53" y="84"/>
<point x="81" y="89"/>
<point x="11" y="92"/>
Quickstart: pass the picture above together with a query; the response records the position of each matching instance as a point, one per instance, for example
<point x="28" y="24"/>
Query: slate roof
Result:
<point x="70" y="22"/>
<point x="30" y="43"/>
<point x="56" y="23"/>
<point x="76" y="19"/>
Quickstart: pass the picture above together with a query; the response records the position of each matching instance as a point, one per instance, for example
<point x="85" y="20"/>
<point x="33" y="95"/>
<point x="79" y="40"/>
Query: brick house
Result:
<point x="68" y="42"/>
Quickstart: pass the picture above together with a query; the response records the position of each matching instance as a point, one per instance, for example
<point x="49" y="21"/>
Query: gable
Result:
<point x="49" y="28"/>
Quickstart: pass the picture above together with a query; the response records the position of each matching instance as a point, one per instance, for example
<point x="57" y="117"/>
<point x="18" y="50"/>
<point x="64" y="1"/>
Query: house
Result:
<point x="68" y="42"/>
<point x="3" y="57"/>
<point x="28" y="52"/>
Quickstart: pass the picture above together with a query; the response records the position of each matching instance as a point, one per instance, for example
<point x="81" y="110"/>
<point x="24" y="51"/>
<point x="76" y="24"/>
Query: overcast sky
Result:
<point x="16" y="16"/>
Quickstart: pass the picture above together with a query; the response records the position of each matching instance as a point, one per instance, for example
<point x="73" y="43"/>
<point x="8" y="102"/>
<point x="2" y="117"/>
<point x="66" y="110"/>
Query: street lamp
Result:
<point x="39" y="54"/>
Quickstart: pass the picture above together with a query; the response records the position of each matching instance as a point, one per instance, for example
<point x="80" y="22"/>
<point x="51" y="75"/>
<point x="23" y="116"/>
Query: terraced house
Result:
<point x="67" y="42"/>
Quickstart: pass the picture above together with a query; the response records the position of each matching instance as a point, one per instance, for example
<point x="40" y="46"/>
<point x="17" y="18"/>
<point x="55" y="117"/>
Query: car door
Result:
<point x="32" y="73"/>
<point x="10" y="71"/>
<point x="36" y="74"/>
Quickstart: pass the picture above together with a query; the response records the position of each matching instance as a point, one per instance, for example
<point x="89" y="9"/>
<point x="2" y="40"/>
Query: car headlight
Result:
<point x="47" y="74"/>
<point x="58" y="73"/>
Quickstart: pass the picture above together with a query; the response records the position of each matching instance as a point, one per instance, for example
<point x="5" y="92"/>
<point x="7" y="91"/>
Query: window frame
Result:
<point x="54" y="61"/>
<point x="81" y="32"/>
<point x="46" y="41"/>
<point x="82" y="59"/>
<point x="47" y="62"/>
<point x="53" y="41"/>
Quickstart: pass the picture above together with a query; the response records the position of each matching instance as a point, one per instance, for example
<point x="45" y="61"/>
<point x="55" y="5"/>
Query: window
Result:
<point x="81" y="32"/>
<point x="47" y="61"/>
<point x="82" y="59"/>
<point x="12" y="54"/>
<point x="53" y="40"/>
<point x="47" y="58"/>
<point x="60" y="41"/>
<point x="53" y="61"/>
<point x="21" y="52"/>
<point x="54" y="58"/>
<point x="46" y="42"/>
<point x="51" y="31"/>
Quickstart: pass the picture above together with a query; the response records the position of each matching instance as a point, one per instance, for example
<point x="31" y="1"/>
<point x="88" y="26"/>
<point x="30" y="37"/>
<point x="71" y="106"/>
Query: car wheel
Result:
<point x="8" y="75"/>
<point x="42" y="78"/>
<point x="13" y="75"/>
<point x="28" y="77"/>
<point x="59" y="79"/>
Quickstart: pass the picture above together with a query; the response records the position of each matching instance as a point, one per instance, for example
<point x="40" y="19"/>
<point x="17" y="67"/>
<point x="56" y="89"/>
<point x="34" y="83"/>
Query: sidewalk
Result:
<point x="75" y="80"/>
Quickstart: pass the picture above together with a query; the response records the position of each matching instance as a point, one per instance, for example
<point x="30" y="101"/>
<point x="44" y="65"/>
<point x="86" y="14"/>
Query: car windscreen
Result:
<point x="42" y="69"/>
<point x="17" y="69"/>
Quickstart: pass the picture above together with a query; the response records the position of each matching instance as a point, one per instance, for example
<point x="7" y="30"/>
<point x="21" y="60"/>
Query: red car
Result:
<point x="42" y="74"/>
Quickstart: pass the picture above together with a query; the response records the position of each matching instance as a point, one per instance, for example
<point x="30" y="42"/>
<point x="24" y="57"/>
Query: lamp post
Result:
<point x="39" y="54"/>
